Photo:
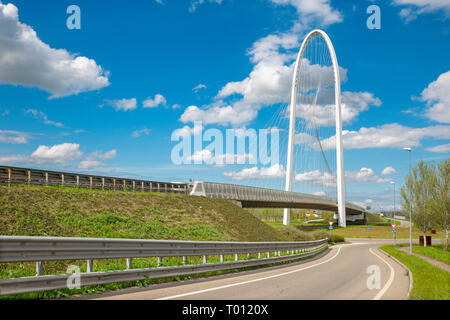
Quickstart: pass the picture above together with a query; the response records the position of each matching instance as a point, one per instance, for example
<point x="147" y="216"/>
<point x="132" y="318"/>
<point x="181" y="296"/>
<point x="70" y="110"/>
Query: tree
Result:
<point x="441" y="204"/>
<point x="421" y="185"/>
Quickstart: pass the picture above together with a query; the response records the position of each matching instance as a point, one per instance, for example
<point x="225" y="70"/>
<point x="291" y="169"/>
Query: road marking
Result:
<point x="389" y="282"/>
<point x="249" y="281"/>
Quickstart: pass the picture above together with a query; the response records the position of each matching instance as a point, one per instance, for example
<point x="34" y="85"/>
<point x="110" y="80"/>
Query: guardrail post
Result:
<point x="78" y="181"/>
<point x="38" y="268"/>
<point x="103" y="183"/>
<point x="124" y="184"/>
<point x="90" y="266"/>
<point x="236" y="257"/>
<point x="134" y="185"/>
<point x="248" y="256"/>
<point x="114" y="184"/>
<point x="221" y="258"/>
<point x="268" y="254"/>
<point x="205" y="259"/>
<point x="159" y="262"/>
<point x="29" y="177"/>
<point x="184" y="259"/>
<point x="259" y="255"/>
<point x="142" y="186"/>
<point x="9" y="177"/>
<point x="129" y="263"/>
<point x="46" y="178"/>
<point x="62" y="179"/>
<point x="166" y="188"/>
<point x="90" y="182"/>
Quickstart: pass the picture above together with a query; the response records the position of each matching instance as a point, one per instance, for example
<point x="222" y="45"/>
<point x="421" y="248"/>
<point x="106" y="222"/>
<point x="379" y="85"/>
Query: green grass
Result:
<point x="429" y="282"/>
<point x="381" y="232"/>
<point x="71" y="212"/>
<point x="436" y="252"/>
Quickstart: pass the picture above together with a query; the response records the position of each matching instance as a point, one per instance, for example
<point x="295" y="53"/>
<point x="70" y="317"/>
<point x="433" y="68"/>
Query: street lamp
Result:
<point x="410" y="203"/>
<point x="395" y="238"/>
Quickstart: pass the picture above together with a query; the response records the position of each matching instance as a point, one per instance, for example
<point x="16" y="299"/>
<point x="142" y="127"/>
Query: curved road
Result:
<point x="340" y="273"/>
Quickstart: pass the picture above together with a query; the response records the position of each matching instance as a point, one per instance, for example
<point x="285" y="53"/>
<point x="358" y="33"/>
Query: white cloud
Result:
<point x="89" y="164"/>
<point x="320" y="193"/>
<point x="317" y="177"/>
<point x="12" y="159"/>
<point x="275" y="171"/>
<point x="61" y="153"/>
<point x="220" y="160"/>
<point x="155" y="102"/>
<point x="26" y="60"/>
<point x="39" y="115"/>
<point x="93" y="159"/>
<point x="141" y="132"/>
<point x="123" y="104"/>
<point x="444" y="148"/>
<point x="187" y="131"/>
<point x="198" y="87"/>
<point x="196" y="3"/>
<point x="437" y="96"/>
<point x="391" y="135"/>
<point x="388" y="170"/>
<point x="15" y="137"/>
<point x="416" y="7"/>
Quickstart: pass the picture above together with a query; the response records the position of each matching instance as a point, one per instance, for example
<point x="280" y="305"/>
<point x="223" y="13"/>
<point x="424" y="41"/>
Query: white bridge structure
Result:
<point x="309" y="87"/>
<point x="254" y="197"/>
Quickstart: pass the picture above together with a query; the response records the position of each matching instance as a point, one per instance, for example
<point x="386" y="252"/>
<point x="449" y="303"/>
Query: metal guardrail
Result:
<point x="38" y="249"/>
<point x="15" y="175"/>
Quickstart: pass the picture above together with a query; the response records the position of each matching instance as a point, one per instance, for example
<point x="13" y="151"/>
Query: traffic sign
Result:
<point x="393" y="226"/>
<point x="331" y="222"/>
<point x="331" y="227"/>
<point x="394" y="231"/>
<point x="368" y="228"/>
<point x="389" y="220"/>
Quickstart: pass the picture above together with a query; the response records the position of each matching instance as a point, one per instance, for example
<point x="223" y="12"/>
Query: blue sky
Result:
<point x="107" y="98"/>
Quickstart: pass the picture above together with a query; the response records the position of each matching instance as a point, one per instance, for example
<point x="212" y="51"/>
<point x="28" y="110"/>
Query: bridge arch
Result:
<point x="339" y="147"/>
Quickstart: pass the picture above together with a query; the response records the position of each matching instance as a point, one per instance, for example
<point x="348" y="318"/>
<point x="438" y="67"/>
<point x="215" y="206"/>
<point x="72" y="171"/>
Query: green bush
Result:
<point x="336" y="238"/>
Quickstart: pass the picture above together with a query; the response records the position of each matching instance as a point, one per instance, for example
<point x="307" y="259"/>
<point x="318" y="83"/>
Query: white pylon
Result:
<point x="339" y="149"/>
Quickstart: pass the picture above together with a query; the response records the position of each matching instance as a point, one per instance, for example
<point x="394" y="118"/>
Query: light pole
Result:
<point x="395" y="237"/>
<point x="410" y="203"/>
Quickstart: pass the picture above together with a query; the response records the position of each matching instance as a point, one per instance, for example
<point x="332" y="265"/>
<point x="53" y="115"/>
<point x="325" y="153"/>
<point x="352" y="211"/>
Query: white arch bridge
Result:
<point x="254" y="197"/>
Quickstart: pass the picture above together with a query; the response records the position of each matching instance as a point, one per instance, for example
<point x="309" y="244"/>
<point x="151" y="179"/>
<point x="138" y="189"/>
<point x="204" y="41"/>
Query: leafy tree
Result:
<point x="441" y="204"/>
<point x="421" y="185"/>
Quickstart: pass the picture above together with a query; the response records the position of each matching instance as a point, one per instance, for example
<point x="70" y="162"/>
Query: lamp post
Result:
<point x="395" y="237"/>
<point x="410" y="204"/>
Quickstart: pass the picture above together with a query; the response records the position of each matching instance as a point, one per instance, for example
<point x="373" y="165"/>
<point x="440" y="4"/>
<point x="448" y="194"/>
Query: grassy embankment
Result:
<point x="429" y="282"/>
<point x="71" y="212"/>
<point x="436" y="252"/>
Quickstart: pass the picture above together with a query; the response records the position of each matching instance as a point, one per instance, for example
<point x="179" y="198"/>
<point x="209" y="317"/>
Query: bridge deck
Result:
<point x="254" y="197"/>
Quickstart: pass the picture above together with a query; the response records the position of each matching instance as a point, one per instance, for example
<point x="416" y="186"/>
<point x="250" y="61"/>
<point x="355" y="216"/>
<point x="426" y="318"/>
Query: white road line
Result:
<point x="389" y="282"/>
<point x="249" y="281"/>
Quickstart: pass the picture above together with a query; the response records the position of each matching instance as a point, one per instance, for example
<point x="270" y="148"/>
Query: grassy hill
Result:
<point x="72" y="212"/>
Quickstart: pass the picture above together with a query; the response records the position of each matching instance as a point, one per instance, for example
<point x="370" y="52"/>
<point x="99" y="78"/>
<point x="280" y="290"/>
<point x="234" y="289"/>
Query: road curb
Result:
<point x="410" y="275"/>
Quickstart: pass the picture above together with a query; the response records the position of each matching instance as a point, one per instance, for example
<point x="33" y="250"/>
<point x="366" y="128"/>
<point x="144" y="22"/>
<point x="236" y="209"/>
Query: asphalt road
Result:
<point x="341" y="273"/>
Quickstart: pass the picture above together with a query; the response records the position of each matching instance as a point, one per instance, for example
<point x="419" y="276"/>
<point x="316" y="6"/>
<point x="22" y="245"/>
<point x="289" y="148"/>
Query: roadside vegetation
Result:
<point x="436" y="252"/>
<point x="429" y="282"/>
<point x="71" y="212"/>
<point x="426" y="195"/>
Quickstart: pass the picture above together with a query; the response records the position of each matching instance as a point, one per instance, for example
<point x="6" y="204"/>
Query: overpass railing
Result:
<point x="15" y="175"/>
<point x="40" y="249"/>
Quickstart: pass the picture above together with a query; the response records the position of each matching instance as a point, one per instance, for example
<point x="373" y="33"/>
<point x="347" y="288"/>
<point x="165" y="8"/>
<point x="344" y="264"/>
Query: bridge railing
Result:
<point x="15" y="175"/>
<point x="40" y="249"/>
